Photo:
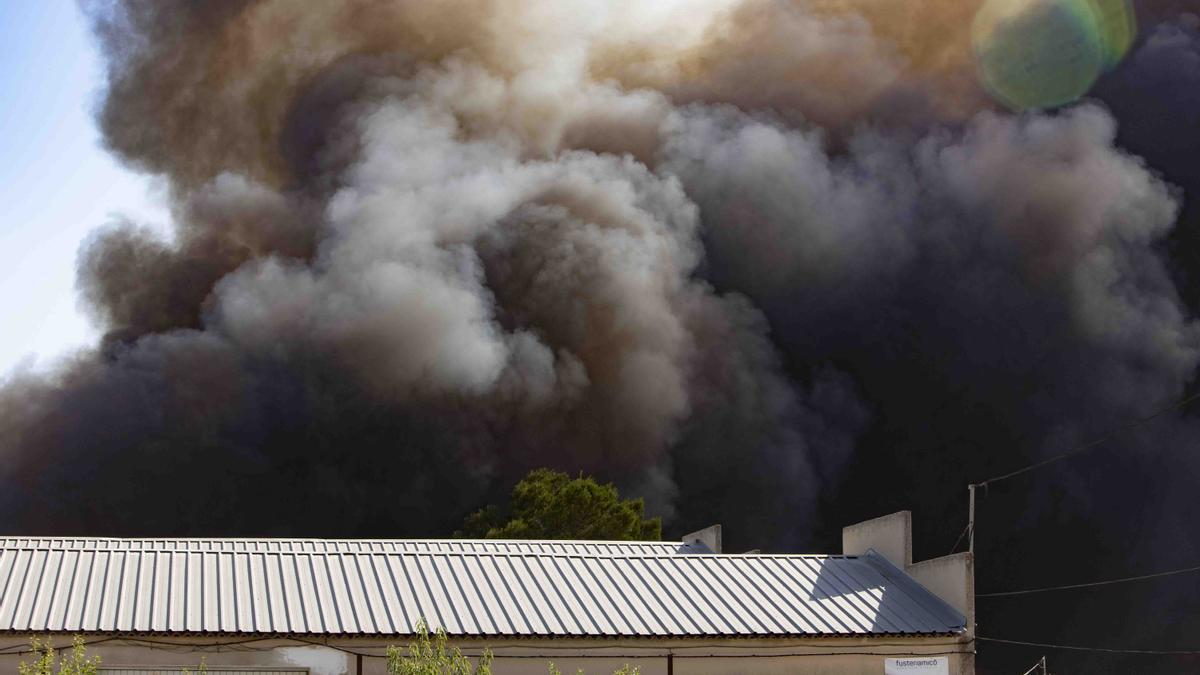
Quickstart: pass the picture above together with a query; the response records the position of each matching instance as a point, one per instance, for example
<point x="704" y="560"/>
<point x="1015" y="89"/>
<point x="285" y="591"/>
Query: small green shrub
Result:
<point x="75" y="662"/>
<point x="430" y="655"/>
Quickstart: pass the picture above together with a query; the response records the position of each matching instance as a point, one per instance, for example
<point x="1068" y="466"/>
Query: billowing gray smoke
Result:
<point x="411" y="262"/>
<point x="768" y="262"/>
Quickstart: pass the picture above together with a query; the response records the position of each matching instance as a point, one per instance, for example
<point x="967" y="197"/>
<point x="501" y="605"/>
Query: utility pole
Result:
<point x="971" y="520"/>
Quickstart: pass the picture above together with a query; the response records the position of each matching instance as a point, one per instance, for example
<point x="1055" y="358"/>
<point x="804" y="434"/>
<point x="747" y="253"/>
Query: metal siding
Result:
<point x="574" y="612"/>
<point x="649" y="585"/>
<point x="259" y="593"/>
<point x="402" y="587"/>
<point x="475" y="606"/>
<point x="279" y="614"/>
<point x="422" y="602"/>
<point x="855" y="592"/>
<point x="820" y="597"/>
<point x="737" y="581"/>
<point x="792" y="612"/>
<point x="730" y="607"/>
<point x="172" y="582"/>
<point x="834" y="596"/>
<point x="242" y="600"/>
<point x="21" y="571"/>
<point x="359" y="584"/>
<point x="642" y="604"/>
<point x="46" y="587"/>
<point x="522" y="603"/>
<point x="153" y="608"/>
<point x="56" y="615"/>
<point x="928" y="606"/>
<point x="675" y="592"/>
<point x="538" y="609"/>
<point x="469" y="588"/>
<point x="227" y="600"/>
<point x="306" y="593"/>
<point x="867" y="595"/>
<point x="96" y="588"/>
<point x="127" y="590"/>
<point x="778" y="572"/>
<point x="8" y="563"/>
<point x="783" y="615"/>
<point x="629" y="621"/>
<point x="389" y="600"/>
<point x="439" y="595"/>
<point x="328" y="604"/>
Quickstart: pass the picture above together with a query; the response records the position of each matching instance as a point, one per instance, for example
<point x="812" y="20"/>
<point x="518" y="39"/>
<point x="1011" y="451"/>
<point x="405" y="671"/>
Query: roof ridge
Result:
<point x="519" y="554"/>
<point x="352" y="539"/>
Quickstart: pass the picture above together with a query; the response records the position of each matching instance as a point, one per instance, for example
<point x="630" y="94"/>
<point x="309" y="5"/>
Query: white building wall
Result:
<point x="280" y="657"/>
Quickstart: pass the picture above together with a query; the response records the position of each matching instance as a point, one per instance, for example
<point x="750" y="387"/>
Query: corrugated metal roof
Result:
<point x="307" y="587"/>
<point x="357" y="545"/>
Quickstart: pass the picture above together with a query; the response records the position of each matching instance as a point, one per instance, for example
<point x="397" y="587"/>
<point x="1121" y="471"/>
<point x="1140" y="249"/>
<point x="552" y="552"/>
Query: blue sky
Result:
<point x="57" y="184"/>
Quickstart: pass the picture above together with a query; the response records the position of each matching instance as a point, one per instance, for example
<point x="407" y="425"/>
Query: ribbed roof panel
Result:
<point x="353" y="545"/>
<point x="471" y="588"/>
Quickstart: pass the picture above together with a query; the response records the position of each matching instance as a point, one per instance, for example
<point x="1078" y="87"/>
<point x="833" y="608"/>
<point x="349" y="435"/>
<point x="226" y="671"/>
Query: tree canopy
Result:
<point x="550" y="504"/>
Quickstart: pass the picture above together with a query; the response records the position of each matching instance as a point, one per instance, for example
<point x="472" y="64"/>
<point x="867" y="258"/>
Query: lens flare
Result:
<point x="1047" y="53"/>
<point x="1118" y="27"/>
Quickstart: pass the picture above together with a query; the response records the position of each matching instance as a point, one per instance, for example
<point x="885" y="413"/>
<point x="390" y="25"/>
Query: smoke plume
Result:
<point x="777" y="263"/>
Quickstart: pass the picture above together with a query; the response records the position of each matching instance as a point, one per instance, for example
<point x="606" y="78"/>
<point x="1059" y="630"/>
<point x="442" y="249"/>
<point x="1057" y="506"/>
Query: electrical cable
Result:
<point x="1067" y="455"/>
<point x="960" y="538"/>
<point x="1185" y="570"/>
<point x="1103" y="650"/>
<point x="1092" y="444"/>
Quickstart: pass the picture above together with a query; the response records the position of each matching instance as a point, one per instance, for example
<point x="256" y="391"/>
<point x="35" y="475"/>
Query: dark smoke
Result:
<point x="764" y="262"/>
<point x="390" y="292"/>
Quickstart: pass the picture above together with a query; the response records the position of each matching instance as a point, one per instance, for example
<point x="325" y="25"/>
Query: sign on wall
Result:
<point x="917" y="665"/>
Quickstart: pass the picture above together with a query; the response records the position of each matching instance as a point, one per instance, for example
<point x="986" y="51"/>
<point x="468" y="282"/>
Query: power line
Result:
<point x="1156" y="575"/>
<point x="971" y="487"/>
<point x="1050" y="460"/>
<point x="1092" y="444"/>
<point x="1103" y="650"/>
<point x="960" y="538"/>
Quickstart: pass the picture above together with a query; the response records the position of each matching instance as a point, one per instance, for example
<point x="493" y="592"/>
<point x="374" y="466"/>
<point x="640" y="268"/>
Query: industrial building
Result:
<point x="331" y="607"/>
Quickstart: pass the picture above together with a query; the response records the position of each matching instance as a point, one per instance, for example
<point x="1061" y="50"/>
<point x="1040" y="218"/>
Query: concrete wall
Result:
<point x="951" y="577"/>
<point x="765" y="657"/>
<point x="890" y="536"/>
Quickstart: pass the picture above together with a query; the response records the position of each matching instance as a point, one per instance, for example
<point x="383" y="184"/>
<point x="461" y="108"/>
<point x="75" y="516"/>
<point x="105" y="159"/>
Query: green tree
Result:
<point x="75" y="662"/>
<point x="429" y="655"/>
<point x="551" y="505"/>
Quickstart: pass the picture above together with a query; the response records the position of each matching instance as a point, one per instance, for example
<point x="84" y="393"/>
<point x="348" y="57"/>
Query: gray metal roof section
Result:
<point x="358" y="545"/>
<point x="472" y="588"/>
